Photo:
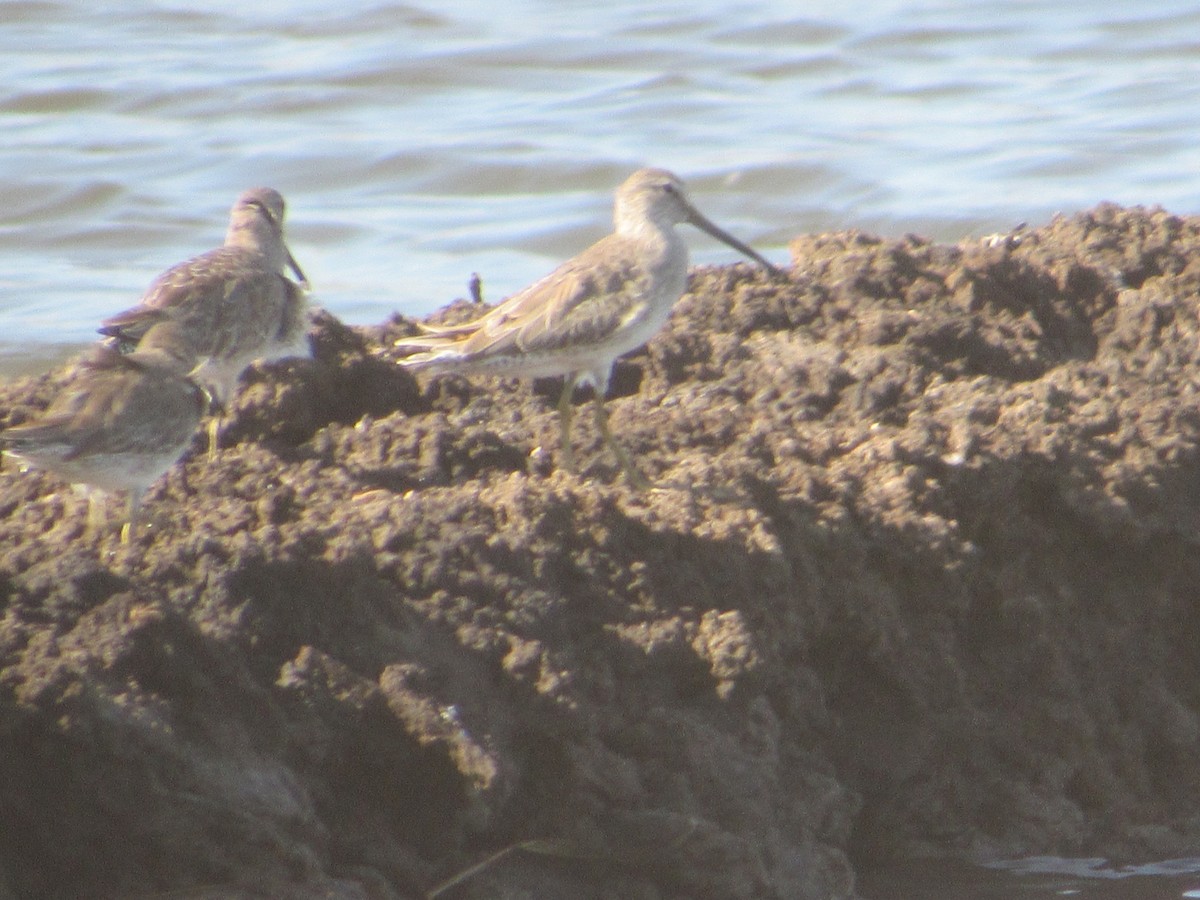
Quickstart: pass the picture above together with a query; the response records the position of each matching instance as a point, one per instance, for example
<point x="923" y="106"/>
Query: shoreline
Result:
<point x="922" y="584"/>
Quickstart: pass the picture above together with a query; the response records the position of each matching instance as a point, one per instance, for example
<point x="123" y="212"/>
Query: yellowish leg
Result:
<point x="636" y="478"/>
<point x="130" y="526"/>
<point x="565" y="413"/>
<point x="214" y="434"/>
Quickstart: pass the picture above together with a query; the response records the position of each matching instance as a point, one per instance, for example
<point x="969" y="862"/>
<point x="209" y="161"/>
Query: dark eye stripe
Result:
<point x="266" y="212"/>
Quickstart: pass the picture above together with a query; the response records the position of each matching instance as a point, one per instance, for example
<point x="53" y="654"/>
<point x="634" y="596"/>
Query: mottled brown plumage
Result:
<point x="230" y="306"/>
<point x="123" y="421"/>
<point x="603" y="303"/>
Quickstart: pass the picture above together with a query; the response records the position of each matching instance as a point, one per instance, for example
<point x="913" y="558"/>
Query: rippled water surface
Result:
<point x="419" y="143"/>
<point x="1038" y="878"/>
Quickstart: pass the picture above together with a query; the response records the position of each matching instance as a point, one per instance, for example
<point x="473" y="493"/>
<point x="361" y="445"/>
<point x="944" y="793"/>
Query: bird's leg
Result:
<point x="214" y="434"/>
<point x="218" y="406"/>
<point x="636" y="478"/>
<point x="565" y="412"/>
<point x="131" y="517"/>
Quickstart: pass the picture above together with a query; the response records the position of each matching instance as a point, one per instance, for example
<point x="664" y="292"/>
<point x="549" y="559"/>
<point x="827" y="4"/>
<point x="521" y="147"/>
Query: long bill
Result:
<point x="695" y="218"/>
<point x="295" y="267"/>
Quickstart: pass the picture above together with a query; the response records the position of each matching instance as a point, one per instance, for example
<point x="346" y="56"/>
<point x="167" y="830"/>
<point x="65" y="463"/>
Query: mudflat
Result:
<point x="920" y="578"/>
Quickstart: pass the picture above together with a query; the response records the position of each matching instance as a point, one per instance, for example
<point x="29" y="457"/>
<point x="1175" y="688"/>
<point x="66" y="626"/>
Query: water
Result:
<point x="418" y="143"/>
<point x="1037" y="878"/>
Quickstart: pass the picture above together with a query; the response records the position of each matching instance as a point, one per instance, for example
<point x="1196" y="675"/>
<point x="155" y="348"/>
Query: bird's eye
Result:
<point x="262" y="208"/>
<point x="669" y="188"/>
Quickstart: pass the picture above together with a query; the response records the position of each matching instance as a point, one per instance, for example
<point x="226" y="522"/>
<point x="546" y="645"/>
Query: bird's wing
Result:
<point x="581" y="302"/>
<point x="249" y="315"/>
<point x="130" y="326"/>
<point x="191" y="290"/>
<point x="70" y="422"/>
<point x="198" y="276"/>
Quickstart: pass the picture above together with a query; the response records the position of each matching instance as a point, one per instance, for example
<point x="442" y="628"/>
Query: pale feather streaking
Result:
<point x="605" y="302"/>
<point x="228" y="307"/>
<point x="122" y="422"/>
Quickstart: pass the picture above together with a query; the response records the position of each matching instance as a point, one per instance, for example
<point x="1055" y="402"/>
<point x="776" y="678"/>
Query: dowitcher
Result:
<point x="576" y="321"/>
<point x="228" y="307"/>
<point x="122" y="422"/>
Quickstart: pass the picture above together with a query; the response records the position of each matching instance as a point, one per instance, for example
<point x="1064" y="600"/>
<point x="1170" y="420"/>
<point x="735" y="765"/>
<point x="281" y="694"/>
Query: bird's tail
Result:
<point x="130" y="326"/>
<point x="430" y="357"/>
<point x="438" y="348"/>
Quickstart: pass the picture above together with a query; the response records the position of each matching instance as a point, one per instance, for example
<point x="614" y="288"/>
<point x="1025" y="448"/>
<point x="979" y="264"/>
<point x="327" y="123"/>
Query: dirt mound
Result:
<point x="921" y="580"/>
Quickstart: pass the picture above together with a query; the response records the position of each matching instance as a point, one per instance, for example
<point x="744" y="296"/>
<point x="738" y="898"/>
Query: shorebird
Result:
<point x="125" y="420"/>
<point x="603" y="303"/>
<point x="228" y="307"/>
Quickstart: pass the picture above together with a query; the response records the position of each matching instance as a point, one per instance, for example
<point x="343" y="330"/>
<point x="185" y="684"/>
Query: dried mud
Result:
<point x="922" y="580"/>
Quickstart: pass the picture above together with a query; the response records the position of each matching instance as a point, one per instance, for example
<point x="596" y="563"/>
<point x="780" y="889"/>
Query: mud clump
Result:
<point x="920" y="580"/>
